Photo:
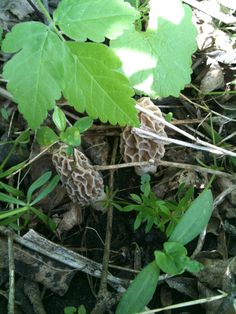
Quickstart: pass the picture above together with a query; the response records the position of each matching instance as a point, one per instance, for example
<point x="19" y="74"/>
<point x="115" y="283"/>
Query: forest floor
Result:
<point x="48" y="277"/>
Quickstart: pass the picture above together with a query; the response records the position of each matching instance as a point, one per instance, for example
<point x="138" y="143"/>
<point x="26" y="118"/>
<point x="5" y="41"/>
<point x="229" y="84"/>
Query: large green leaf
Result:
<point x="35" y="73"/>
<point x="94" y="84"/>
<point x="194" y="220"/>
<point x="140" y="292"/>
<point x="158" y="61"/>
<point x="94" y="19"/>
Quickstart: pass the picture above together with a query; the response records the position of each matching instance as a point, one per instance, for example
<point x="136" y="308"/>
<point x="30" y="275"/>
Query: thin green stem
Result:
<point x="47" y="15"/>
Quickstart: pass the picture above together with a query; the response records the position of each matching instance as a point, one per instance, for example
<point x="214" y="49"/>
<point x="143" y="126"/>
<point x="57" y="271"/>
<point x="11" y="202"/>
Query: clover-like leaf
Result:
<point x="71" y="136"/>
<point x="94" y="19"/>
<point x="94" y="84"/>
<point x="35" y="73"/>
<point x="46" y="136"/>
<point x="158" y="61"/>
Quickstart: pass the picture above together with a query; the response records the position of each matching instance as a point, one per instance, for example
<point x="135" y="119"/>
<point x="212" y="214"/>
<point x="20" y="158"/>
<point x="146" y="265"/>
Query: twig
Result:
<point x="212" y="148"/>
<point x="31" y="161"/>
<point x="185" y="98"/>
<point x="103" y="284"/>
<point x="165" y="164"/>
<point x="124" y="165"/>
<point x="188" y="303"/>
<point x="11" y="298"/>
<point x="37" y="243"/>
<point x="104" y="297"/>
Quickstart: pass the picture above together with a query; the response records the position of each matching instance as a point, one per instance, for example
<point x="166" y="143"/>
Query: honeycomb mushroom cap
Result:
<point x="135" y="148"/>
<point x="83" y="184"/>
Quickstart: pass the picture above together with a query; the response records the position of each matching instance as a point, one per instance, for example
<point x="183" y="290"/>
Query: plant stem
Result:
<point x="47" y="15"/>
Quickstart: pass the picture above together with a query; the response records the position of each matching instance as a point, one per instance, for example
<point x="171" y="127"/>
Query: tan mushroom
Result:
<point x="83" y="184"/>
<point x="135" y="148"/>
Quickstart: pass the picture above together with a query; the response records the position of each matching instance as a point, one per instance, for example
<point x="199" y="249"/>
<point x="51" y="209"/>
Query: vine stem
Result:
<point x="50" y="20"/>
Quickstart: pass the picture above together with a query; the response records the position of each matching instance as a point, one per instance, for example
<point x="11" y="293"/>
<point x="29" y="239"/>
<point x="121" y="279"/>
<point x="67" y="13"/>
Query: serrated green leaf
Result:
<point x="71" y="136"/>
<point x="94" y="19"/>
<point x="46" y="136"/>
<point x="35" y="73"/>
<point x="194" y="220"/>
<point x="158" y="61"/>
<point x="83" y="124"/>
<point x="140" y="292"/>
<point x="95" y="85"/>
<point x="59" y="118"/>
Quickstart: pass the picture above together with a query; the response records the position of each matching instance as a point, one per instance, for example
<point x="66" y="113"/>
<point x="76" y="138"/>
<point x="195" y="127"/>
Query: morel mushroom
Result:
<point x="135" y="148"/>
<point x="83" y="184"/>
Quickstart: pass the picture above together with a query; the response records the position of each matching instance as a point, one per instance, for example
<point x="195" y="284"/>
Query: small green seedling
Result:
<point x="172" y="259"/>
<point x="25" y="204"/>
<point x="70" y="135"/>
<point x="153" y="211"/>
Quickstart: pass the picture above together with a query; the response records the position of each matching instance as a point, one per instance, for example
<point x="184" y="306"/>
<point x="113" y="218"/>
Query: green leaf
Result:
<point x="70" y="310"/>
<point x="10" y="213"/>
<point x="12" y="169"/>
<point x="82" y="309"/>
<point x="10" y="199"/>
<point x="94" y="19"/>
<point x="10" y="189"/>
<point x="24" y="137"/>
<point x="71" y="136"/>
<point x="138" y="221"/>
<point x="37" y="184"/>
<point x="36" y="71"/>
<point x="194" y="220"/>
<point x="44" y="218"/>
<point x="175" y="249"/>
<point x="169" y="117"/>
<point x="193" y="266"/>
<point x="145" y="180"/>
<point x="94" y="84"/>
<point x="168" y="264"/>
<point x="158" y="61"/>
<point x="46" y="136"/>
<point x="136" y="198"/>
<point x="4" y="113"/>
<point x="140" y="291"/>
<point x="50" y="187"/>
<point x="59" y="118"/>
<point x="83" y="124"/>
